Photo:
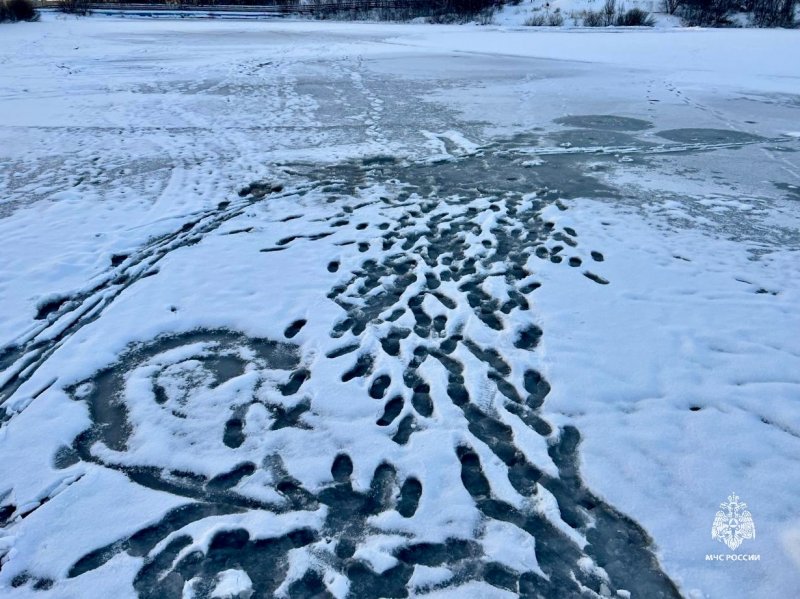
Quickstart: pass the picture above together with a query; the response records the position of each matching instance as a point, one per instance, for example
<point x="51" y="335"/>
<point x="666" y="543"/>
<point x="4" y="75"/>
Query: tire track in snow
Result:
<point x="63" y="316"/>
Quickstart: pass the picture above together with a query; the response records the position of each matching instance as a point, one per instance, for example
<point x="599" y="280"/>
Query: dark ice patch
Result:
<point x="608" y="122"/>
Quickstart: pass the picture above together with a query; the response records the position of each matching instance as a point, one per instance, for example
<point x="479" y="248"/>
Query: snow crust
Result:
<point x="681" y="373"/>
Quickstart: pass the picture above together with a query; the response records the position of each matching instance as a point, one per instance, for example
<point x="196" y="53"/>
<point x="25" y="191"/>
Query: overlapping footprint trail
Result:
<point x="438" y="322"/>
<point x="471" y="223"/>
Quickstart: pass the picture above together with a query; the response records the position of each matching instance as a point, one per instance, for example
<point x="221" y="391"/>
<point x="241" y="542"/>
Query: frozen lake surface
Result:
<point x="306" y="309"/>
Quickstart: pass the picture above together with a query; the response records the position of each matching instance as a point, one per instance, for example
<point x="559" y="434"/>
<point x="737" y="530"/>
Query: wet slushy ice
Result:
<point x="439" y="325"/>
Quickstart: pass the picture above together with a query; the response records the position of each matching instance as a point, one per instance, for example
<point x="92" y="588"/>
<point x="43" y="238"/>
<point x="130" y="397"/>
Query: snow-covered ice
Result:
<point x="357" y="310"/>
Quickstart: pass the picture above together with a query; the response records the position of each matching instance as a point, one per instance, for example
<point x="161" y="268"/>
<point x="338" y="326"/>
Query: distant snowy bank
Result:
<point x="509" y="13"/>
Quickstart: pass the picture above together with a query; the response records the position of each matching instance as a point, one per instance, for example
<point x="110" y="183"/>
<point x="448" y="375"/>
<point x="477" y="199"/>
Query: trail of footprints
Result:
<point x="446" y="256"/>
<point x="464" y="249"/>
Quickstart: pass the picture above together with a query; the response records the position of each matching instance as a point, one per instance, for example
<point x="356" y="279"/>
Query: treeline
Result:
<point x="719" y="13"/>
<point x="17" y="10"/>
<point x="441" y="10"/>
<point x="704" y="13"/>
